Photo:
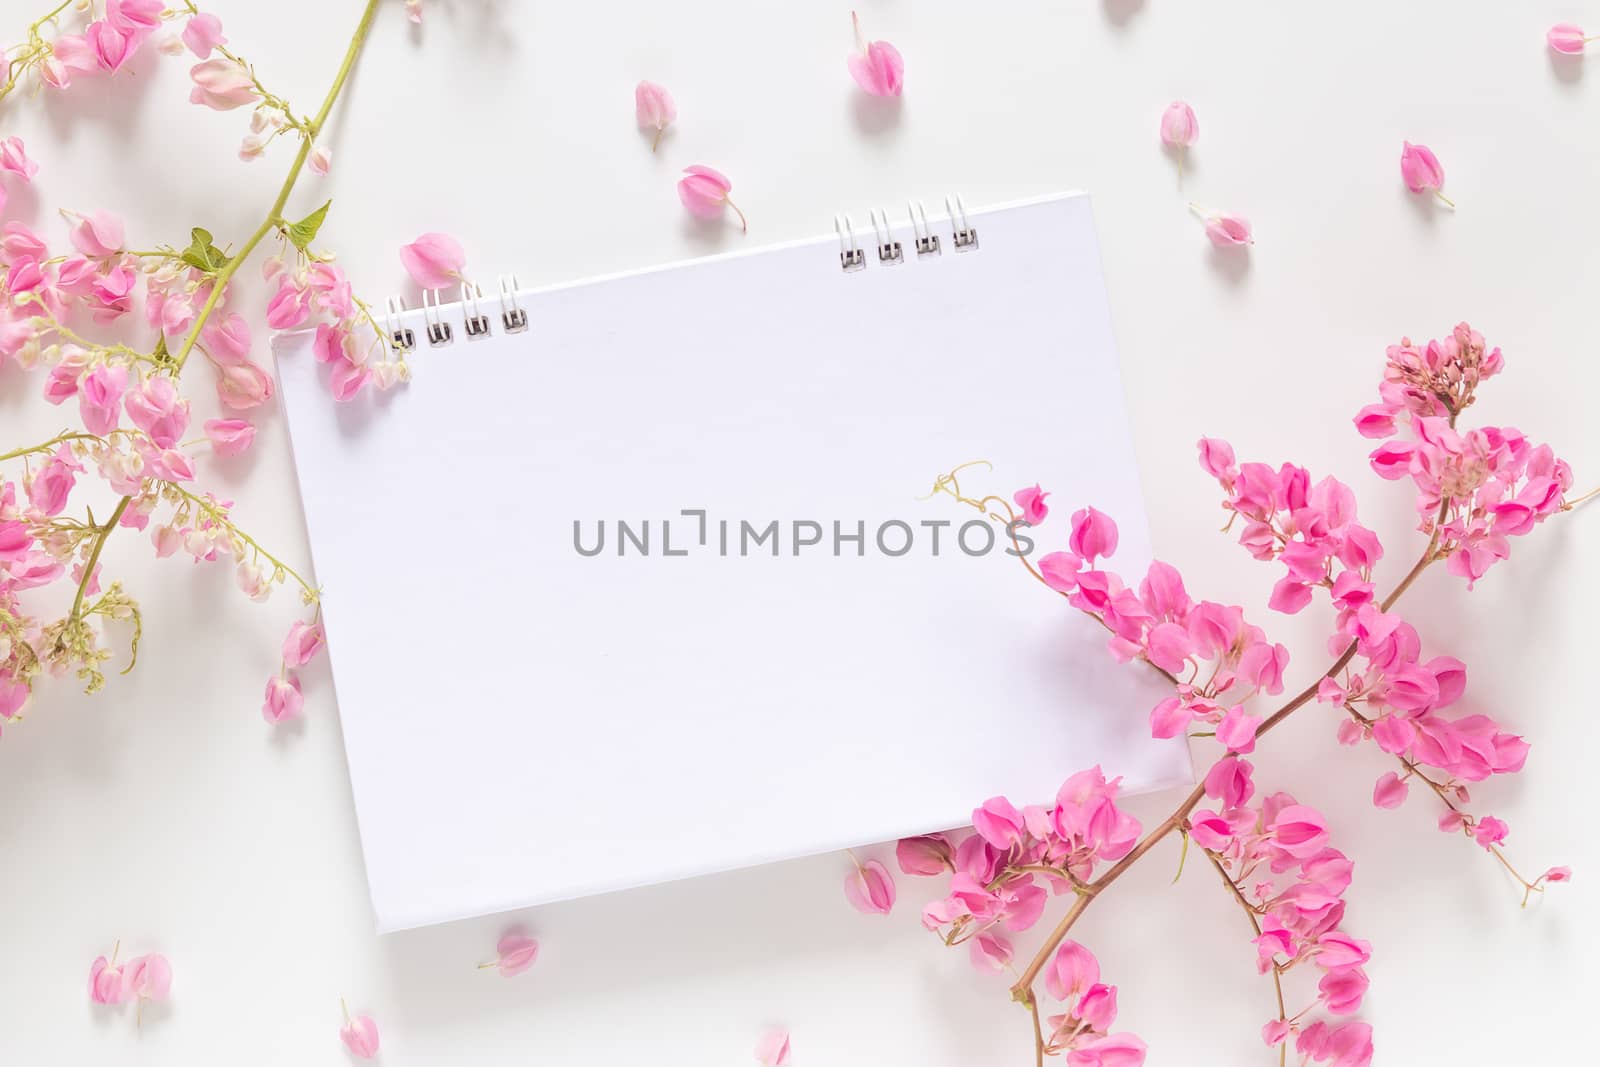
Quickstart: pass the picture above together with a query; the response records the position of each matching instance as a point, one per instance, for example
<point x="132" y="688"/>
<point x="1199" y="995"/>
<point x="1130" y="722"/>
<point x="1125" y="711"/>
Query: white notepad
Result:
<point x="527" y="723"/>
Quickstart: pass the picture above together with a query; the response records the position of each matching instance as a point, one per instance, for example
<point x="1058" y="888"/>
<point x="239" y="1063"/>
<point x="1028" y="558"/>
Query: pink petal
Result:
<point x="773" y="1048"/>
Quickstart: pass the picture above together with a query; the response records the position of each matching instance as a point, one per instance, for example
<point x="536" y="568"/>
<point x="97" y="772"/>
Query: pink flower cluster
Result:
<point x="105" y="45"/>
<point x="1276" y="854"/>
<point x="314" y="287"/>
<point x="1477" y="487"/>
<point x="1003" y="874"/>
<point x="1161" y="624"/>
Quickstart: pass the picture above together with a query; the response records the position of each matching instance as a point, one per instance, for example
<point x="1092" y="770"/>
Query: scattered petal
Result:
<point x="870" y="888"/>
<point x="655" y="109"/>
<point x="433" y="260"/>
<point x="704" y="192"/>
<point x="877" y="68"/>
<point x="1422" y="172"/>
<point x="773" y="1048"/>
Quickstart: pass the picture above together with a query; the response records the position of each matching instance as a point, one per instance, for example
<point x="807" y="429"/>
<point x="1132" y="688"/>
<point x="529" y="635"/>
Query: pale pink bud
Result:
<point x="221" y="84"/>
<point x="877" y="67"/>
<point x="1179" y="127"/>
<point x="253" y="581"/>
<point x="1451" y="822"/>
<point x="773" y="1048"/>
<point x="1566" y="39"/>
<point x="283" y="700"/>
<point x="320" y="160"/>
<point x="157" y="409"/>
<point x="251" y="147"/>
<point x="1390" y="792"/>
<point x="229" y="437"/>
<point x="167" y="540"/>
<point x="170" y="44"/>
<point x="227" y="340"/>
<point x="434" y="260"/>
<point x="1556" y="874"/>
<point x="870" y="888"/>
<point x="654" y="108"/>
<point x="1097" y="1007"/>
<point x="704" y="192"/>
<point x="1421" y="170"/>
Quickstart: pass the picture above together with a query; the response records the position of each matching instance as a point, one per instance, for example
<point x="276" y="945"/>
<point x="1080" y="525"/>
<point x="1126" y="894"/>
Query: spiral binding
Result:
<point x="514" y="318"/>
<point x="853" y="256"/>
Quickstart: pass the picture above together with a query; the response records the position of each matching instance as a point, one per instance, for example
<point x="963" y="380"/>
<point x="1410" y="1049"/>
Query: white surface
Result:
<point x="765" y="699"/>
<point x="166" y="813"/>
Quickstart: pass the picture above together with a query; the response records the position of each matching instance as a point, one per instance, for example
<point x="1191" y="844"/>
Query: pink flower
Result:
<point x="347" y="379"/>
<point x="52" y="483"/>
<point x="433" y="260"/>
<point x="243" y="386"/>
<point x="1224" y="230"/>
<point x="157" y="409"/>
<point x="1237" y="730"/>
<point x="99" y="395"/>
<point x="137" y="17"/>
<point x="990" y="953"/>
<point x="998" y="823"/>
<point x="1097" y="1007"/>
<point x="227" y="340"/>
<point x="97" y="235"/>
<point x="105" y="981"/>
<point x="147" y="978"/>
<point x="924" y="856"/>
<point x="1031" y="502"/>
<point x="1093" y="534"/>
<point x="1298" y="830"/>
<point x="1275" y="1033"/>
<point x="1390" y="792"/>
<point x="202" y="33"/>
<point x="305" y="640"/>
<point x="654" y="108"/>
<point x="1421" y="170"/>
<point x="773" y="1048"/>
<point x="70" y="54"/>
<point x="222" y="85"/>
<point x="283" y="699"/>
<point x="111" y="47"/>
<point x="14" y="158"/>
<point x="704" y="192"/>
<point x="1566" y="39"/>
<point x="1113" y="1050"/>
<point x="870" y="888"/>
<point x="289" y="306"/>
<point x="1179" y="127"/>
<point x="1060" y="571"/>
<point x="878" y="69"/>
<point x="1555" y="874"/>
<point x="515" y="953"/>
<point x="1229" y="781"/>
<point x="360" y="1036"/>
<point x="1489" y="831"/>
<point x="1217" y="460"/>
<point x="14" y="694"/>
<point x="229" y="437"/>
<point x="1072" y="971"/>
<point x="320" y="160"/>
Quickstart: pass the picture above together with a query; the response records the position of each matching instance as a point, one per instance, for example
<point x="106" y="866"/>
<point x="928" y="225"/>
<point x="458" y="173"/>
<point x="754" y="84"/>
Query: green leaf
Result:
<point x="302" y="233"/>
<point x="201" y="254"/>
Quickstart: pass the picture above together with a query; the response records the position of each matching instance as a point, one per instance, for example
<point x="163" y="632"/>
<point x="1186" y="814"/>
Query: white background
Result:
<point x="164" y="812"/>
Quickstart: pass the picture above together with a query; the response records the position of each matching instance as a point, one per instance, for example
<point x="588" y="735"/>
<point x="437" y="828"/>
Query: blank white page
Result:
<point x="525" y="723"/>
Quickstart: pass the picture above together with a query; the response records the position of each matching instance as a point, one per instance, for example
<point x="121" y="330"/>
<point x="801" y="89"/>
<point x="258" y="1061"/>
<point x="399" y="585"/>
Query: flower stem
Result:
<point x="220" y="282"/>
